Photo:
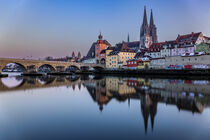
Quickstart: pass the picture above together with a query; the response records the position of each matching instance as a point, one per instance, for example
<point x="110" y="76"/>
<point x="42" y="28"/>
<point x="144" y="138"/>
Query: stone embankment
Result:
<point x="160" y="72"/>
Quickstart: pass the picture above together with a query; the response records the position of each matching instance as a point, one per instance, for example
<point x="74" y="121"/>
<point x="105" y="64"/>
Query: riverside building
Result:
<point x="119" y="56"/>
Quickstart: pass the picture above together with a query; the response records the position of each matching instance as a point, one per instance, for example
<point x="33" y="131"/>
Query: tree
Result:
<point x="203" y="47"/>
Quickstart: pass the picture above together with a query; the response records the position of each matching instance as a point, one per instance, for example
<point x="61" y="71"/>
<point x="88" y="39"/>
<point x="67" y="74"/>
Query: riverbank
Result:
<point x="60" y="73"/>
<point x="123" y="72"/>
<point x="159" y="72"/>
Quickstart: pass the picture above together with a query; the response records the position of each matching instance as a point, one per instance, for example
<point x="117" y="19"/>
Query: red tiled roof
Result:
<point x="188" y="37"/>
<point x="110" y="48"/>
<point x="156" y="47"/>
<point x="171" y="44"/>
<point x="132" y="45"/>
<point x="125" y="48"/>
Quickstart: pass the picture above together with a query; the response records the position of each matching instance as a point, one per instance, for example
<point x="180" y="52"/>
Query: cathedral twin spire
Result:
<point x="151" y="19"/>
<point x="145" y="23"/>
<point x="148" y="33"/>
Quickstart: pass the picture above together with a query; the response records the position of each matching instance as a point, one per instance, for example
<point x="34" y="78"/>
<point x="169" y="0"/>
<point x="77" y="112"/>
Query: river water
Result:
<point x="99" y="107"/>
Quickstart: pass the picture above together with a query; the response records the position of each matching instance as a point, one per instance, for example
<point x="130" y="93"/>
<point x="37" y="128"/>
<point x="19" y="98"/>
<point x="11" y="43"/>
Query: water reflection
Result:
<point x="187" y="95"/>
<point x="12" y="82"/>
<point x="149" y="91"/>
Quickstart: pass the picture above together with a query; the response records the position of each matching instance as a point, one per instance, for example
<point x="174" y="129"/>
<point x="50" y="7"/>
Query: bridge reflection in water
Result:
<point x="186" y="95"/>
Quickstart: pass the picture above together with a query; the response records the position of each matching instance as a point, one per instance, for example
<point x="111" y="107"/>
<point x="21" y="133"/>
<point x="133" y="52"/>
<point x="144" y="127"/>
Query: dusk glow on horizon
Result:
<point x="41" y="28"/>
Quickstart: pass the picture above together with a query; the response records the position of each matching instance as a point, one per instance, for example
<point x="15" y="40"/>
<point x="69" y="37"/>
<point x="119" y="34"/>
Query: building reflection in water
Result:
<point x="150" y="92"/>
<point x="187" y="95"/>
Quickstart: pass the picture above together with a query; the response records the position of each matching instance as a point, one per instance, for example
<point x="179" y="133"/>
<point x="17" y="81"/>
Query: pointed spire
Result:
<point x="79" y="55"/>
<point x="100" y="37"/>
<point x="146" y="116"/>
<point x="145" y="17"/>
<point x="128" y="38"/>
<point x="151" y="19"/>
<point x="73" y="55"/>
<point x="152" y="122"/>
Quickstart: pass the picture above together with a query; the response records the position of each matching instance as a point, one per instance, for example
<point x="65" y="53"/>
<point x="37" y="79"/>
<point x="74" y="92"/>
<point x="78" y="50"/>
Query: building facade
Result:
<point x="154" y="50"/>
<point x="187" y="43"/>
<point x="166" y="51"/>
<point x="119" y="56"/>
<point x="94" y="54"/>
<point x="138" y="64"/>
<point x="112" y="61"/>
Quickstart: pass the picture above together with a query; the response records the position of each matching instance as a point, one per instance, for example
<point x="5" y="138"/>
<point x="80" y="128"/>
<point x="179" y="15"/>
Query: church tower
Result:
<point x="145" y="38"/>
<point x="153" y="29"/>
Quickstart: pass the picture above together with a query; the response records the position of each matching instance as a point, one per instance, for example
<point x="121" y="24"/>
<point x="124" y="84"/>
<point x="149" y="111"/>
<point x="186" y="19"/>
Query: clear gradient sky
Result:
<point x="57" y="27"/>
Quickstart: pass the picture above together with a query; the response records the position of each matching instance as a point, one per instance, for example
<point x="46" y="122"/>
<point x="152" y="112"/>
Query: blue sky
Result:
<point x="58" y="27"/>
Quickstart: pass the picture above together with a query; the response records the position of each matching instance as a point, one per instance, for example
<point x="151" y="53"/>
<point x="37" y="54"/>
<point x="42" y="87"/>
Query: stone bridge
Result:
<point x="55" y="65"/>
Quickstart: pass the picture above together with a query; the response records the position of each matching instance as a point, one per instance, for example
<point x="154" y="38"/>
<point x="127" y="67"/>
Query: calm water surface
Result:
<point x="92" y="107"/>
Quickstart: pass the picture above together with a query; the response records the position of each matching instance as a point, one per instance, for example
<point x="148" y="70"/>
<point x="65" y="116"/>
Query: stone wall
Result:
<point x="188" y="60"/>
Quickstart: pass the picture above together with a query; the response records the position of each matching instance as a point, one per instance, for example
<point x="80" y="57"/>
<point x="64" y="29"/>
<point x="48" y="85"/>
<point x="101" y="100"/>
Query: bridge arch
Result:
<point x="46" y="68"/>
<point x="72" y="68"/>
<point x="21" y="68"/>
<point x="98" y="68"/>
<point x="103" y="61"/>
<point x="85" y="68"/>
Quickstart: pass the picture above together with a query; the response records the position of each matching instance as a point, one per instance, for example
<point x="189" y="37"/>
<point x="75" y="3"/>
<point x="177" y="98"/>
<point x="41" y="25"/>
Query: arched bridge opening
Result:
<point x="85" y="68"/>
<point x="46" y="68"/>
<point x="14" y="67"/>
<point x="73" y="69"/>
<point x="103" y="61"/>
<point x="98" y="68"/>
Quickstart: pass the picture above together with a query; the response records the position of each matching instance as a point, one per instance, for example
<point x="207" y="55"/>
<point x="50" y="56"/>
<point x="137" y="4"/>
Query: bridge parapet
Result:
<point x="38" y="63"/>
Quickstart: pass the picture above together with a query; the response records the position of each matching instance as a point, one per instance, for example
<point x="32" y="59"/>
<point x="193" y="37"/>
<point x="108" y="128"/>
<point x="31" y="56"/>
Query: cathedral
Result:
<point x="148" y="35"/>
<point x="148" y="32"/>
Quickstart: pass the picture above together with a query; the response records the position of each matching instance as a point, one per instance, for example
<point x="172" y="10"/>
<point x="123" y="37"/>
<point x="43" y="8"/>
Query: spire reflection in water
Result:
<point x="69" y="106"/>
